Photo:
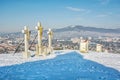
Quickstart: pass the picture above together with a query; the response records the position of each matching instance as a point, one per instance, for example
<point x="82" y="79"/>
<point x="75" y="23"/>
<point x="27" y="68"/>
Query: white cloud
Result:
<point x="101" y="15"/>
<point x="75" y="9"/>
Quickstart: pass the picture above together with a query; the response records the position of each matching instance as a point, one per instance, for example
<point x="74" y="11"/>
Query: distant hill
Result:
<point x="82" y="28"/>
<point x="78" y="30"/>
<point x="72" y="32"/>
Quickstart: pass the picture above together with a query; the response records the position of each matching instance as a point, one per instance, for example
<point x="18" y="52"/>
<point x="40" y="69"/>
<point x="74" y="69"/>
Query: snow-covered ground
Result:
<point x="61" y="65"/>
<point x="107" y="59"/>
<point x="10" y="59"/>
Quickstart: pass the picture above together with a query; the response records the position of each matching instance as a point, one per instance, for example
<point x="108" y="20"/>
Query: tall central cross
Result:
<point x="40" y="32"/>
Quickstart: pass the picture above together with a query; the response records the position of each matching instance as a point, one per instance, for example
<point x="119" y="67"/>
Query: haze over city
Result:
<point x="15" y="14"/>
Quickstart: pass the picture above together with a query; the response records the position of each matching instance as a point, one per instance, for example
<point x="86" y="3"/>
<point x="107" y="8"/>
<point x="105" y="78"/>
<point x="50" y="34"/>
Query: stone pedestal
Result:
<point x="98" y="47"/>
<point x="84" y="46"/>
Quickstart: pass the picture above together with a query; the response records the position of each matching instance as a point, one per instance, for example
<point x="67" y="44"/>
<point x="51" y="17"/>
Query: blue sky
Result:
<point x="15" y="14"/>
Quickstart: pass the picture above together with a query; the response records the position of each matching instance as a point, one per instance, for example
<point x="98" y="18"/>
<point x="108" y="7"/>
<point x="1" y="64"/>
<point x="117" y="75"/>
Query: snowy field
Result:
<point x="62" y="65"/>
<point x="107" y="59"/>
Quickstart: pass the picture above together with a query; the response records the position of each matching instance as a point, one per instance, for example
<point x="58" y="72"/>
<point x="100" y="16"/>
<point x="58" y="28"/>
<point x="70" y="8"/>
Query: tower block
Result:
<point x="26" y="32"/>
<point x="50" y="36"/>
<point x="40" y="32"/>
<point x="98" y="47"/>
<point x="84" y="46"/>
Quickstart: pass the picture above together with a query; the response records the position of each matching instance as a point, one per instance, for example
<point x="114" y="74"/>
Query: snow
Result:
<point x="107" y="59"/>
<point x="61" y="65"/>
<point x="9" y="59"/>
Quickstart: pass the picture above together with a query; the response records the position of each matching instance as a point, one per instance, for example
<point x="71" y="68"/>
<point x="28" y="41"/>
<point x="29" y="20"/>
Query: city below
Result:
<point x="67" y="38"/>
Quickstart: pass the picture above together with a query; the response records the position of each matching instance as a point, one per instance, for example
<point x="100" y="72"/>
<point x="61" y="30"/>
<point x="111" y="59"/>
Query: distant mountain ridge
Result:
<point x="78" y="31"/>
<point x="72" y="32"/>
<point x="82" y="28"/>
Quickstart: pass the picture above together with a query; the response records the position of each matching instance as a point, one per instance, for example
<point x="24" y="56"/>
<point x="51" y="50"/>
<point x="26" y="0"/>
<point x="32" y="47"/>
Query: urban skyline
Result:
<point x="15" y="14"/>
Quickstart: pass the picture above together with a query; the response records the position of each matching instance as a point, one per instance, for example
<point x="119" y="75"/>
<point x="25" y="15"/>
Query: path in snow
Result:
<point x="69" y="66"/>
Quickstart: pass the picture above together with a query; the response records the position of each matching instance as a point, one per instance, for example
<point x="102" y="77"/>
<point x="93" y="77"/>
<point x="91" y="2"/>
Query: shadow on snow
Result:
<point x="70" y="66"/>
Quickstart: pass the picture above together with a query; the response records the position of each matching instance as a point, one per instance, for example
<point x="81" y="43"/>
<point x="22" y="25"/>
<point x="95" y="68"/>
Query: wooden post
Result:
<point x="37" y="50"/>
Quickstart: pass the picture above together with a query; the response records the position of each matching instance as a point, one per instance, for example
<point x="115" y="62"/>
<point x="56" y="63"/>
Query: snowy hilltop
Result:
<point x="61" y="65"/>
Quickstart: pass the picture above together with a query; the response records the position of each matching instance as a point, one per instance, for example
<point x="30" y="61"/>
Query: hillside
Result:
<point x="83" y="28"/>
<point x="77" y="31"/>
<point x="71" y="32"/>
